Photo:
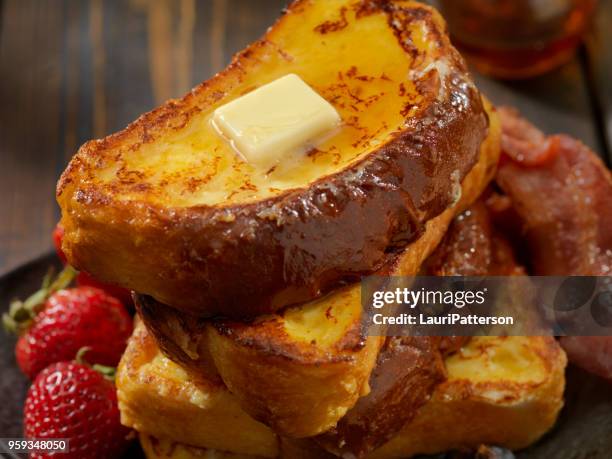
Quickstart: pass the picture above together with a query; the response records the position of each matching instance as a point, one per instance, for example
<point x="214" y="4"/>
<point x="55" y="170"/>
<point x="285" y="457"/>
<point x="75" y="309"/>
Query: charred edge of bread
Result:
<point x="407" y="371"/>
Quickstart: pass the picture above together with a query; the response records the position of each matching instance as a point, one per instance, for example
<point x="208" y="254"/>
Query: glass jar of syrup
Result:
<point x="517" y="38"/>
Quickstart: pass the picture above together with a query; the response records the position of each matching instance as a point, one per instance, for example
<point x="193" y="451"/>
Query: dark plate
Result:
<point x="584" y="430"/>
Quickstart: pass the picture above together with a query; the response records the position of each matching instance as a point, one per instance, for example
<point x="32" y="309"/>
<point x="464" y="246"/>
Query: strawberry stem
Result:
<point x="80" y="356"/>
<point x="21" y="313"/>
<point x="108" y="372"/>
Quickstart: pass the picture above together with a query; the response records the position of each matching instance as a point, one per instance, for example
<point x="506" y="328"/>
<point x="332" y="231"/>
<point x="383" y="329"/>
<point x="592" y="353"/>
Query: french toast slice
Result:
<point x="299" y="371"/>
<point x="160" y="398"/>
<point x="167" y="208"/>
<point x="504" y="391"/>
<point x="162" y="448"/>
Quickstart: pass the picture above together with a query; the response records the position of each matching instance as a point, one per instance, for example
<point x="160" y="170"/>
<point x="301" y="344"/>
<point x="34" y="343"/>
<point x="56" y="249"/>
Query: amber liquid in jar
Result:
<point x="517" y="38"/>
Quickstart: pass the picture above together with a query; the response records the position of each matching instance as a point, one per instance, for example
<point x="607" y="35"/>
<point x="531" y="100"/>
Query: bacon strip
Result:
<point x="562" y="193"/>
<point x="564" y="200"/>
<point x="522" y="141"/>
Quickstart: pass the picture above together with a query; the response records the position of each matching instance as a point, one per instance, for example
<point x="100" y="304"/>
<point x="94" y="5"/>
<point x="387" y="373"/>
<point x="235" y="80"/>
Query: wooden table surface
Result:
<point x="72" y="70"/>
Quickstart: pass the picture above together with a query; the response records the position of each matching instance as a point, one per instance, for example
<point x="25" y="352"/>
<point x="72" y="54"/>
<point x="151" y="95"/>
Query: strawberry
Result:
<point x="74" y="401"/>
<point x="58" y="234"/>
<point x="122" y="294"/>
<point x="83" y="278"/>
<point x="54" y="329"/>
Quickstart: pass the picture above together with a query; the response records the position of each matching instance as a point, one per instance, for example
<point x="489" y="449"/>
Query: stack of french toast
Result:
<point x="250" y="339"/>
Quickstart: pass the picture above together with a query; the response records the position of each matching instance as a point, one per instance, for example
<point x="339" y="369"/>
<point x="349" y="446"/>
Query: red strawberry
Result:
<point x="74" y="401"/>
<point x="21" y="313"/>
<point x="122" y="294"/>
<point x="72" y="319"/>
<point x="58" y="234"/>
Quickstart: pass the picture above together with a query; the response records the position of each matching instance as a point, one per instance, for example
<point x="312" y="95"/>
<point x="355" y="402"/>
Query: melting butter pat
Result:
<point x="275" y="120"/>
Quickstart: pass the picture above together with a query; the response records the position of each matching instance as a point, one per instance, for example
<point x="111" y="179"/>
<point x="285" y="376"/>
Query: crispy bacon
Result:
<point x="564" y="199"/>
<point x="562" y="193"/>
<point x="522" y="141"/>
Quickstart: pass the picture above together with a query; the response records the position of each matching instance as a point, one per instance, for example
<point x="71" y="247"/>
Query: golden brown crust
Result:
<point x="300" y="371"/>
<point x="156" y="397"/>
<point x="508" y="393"/>
<point x="504" y="391"/>
<point x="280" y="377"/>
<point x="253" y="257"/>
